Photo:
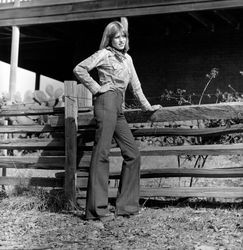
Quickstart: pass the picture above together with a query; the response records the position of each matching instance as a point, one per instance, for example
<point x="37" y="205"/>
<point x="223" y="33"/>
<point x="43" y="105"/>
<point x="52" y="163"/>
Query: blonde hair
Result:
<point x="109" y="33"/>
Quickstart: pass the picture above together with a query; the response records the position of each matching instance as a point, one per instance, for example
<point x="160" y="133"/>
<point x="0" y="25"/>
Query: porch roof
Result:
<point x="53" y="11"/>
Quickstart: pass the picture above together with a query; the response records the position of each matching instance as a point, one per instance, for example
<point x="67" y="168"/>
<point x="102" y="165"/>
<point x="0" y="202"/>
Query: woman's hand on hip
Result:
<point x="106" y="87"/>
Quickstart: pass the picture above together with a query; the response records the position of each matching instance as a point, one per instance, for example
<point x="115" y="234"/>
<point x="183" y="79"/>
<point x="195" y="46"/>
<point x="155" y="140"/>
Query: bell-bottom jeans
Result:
<point x="112" y="123"/>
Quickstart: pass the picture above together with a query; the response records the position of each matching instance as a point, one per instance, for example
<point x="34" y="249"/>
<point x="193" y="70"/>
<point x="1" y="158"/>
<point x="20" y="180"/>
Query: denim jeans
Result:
<point x="111" y="123"/>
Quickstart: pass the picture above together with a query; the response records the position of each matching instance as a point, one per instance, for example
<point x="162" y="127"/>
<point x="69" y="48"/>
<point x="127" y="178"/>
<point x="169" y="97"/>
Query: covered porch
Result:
<point x="174" y="43"/>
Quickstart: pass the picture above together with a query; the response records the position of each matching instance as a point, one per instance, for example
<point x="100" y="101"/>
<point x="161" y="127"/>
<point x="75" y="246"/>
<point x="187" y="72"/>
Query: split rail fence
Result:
<point x="64" y="142"/>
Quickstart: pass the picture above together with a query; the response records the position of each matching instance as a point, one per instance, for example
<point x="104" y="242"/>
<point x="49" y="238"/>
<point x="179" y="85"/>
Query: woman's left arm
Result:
<point x="137" y="90"/>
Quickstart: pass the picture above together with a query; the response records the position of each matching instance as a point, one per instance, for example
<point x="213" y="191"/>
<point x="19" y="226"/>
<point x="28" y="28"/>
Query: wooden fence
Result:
<point x="69" y="134"/>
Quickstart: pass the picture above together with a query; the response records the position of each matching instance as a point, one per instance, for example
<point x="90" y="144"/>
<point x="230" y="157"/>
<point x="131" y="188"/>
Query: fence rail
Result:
<point x="64" y="144"/>
<point x="10" y="3"/>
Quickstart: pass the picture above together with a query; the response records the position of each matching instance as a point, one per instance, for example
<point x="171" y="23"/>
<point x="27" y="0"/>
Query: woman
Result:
<point x="116" y="71"/>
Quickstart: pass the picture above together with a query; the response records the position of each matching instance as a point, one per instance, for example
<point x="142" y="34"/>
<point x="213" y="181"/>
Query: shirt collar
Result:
<point x="120" y="56"/>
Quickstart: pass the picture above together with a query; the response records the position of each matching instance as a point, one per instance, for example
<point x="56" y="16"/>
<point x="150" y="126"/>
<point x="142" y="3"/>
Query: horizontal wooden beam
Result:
<point x="31" y="181"/>
<point x="22" y="110"/>
<point x="58" y="144"/>
<point x="157" y="131"/>
<point x="32" y="3"/>
<point x="55" y="162"/>
<point x="236" y="172"/>
<point x="217" y="192"/>
<point x="32" y="144"/>
<point x="32" y="128"/>
<point x="187" y="131"/>
<point x="231" y="110"/>
<point x="187" y="172"/>
<point x="89" y="10"/>
<point x="213" y="149"/>
<point x="57" y="126"/>
<point x="33" y="162"/>
<point x="204" y="192"/>
<point x="210" y="149"/>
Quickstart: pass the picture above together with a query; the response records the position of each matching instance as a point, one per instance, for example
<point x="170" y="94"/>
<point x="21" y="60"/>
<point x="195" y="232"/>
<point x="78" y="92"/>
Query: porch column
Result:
<point x="14" y="57"/>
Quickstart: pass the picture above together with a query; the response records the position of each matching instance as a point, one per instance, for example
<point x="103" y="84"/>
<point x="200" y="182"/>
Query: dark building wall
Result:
<point x="185" y="61"/>
<point x="177" y="60"/>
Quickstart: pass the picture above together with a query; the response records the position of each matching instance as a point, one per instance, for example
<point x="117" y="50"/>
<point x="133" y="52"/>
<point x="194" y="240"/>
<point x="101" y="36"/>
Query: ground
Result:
<point x="27" y="222"/>
<point x="161" y="225"/>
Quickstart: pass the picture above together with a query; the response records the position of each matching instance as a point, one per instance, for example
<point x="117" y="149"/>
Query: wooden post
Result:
<point x="5" y="153"/>
<point x="71" y="126"/>
<point x="14" y="57"/>
<point x="84" y="100"/>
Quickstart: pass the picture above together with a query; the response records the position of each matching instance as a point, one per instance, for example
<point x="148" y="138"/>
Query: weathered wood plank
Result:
<point x="33" y="128"/>
<point x="82" y="176"/>
<point x="74" y="11"/>
<point x="185" y="172"/>
<point x="217" y="192"/>
<point x="190" y="112"/>
<point x="232" y="110"/>
<point x="71" y="126"/>
<point x="47" y="152"/>
<point x="33" y="162"/>
<point x="33" y="144"/>
<point x="51" y="2"/>
<point x="27" y="110"/>
<point x="53" y="162"/>
<point x="5" y="152"/>
<point x="22" y="110"/>
<point x="187" y="132"/>
<point x="83" y="120"/>
<point x="137" y="132"/>
<point x="214" y="149"/>
<point x="204" y="192"/>
<point x="33" y="181"/>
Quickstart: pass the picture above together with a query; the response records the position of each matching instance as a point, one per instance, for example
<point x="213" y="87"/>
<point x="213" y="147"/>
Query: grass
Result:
<point x="33" y="198"/>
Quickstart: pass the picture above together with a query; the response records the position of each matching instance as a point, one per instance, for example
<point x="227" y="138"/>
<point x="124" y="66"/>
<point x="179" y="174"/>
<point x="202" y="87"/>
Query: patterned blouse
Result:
<point x="113" y="67"/>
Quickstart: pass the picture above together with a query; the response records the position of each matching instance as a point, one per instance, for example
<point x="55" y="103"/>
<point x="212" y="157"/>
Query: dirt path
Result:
<point x="201" y="227"/>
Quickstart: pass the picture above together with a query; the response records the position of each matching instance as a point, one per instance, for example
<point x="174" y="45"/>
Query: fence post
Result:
<point x="5" y="153"/>
<point x="71" y="125"/>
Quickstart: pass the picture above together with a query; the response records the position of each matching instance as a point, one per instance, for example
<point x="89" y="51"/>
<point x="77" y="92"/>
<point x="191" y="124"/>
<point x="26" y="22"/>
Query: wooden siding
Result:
<point x="63" y="11"/>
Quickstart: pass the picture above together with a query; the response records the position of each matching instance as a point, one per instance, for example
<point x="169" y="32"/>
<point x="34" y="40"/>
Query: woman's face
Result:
<point x="119" y="41"/>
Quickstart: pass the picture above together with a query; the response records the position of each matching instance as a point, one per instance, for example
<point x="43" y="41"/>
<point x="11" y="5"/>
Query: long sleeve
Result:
<point x="81" y="71"/>
<point x="137" y="89"/>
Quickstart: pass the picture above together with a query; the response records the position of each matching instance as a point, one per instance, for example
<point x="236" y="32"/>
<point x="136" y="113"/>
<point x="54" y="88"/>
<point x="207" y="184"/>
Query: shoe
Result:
<point x="104" y="218"/>
<point x="128" y="215"/>
<point x="107" y="217"/>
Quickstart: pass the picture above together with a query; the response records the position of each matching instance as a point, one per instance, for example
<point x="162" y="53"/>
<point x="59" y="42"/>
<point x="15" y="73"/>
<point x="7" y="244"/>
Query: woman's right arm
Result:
<point x="81" y="71"/>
